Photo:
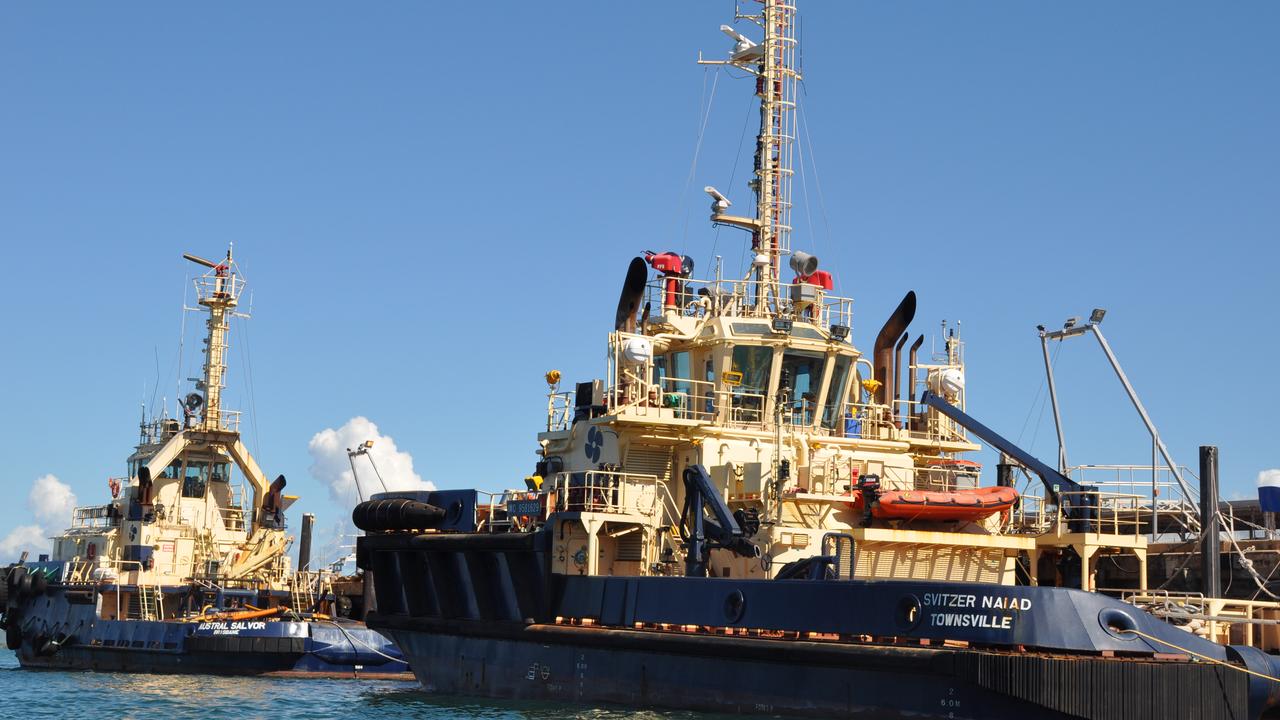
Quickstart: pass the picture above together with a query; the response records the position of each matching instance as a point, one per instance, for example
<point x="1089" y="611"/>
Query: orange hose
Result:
<point x="246" y="614"/>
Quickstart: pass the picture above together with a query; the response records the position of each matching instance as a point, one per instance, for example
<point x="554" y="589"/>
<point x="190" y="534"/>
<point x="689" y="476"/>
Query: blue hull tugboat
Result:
<point x="183" y="571"/>
<point x="748" y="514"/>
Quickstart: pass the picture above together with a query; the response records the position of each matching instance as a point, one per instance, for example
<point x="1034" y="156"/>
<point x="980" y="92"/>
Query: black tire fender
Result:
<point x="13" y="636"/>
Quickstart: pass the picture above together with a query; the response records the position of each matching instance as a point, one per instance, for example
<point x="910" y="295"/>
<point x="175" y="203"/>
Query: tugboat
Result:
<point x="750" y="514"/>
<point x="183" y="571"/>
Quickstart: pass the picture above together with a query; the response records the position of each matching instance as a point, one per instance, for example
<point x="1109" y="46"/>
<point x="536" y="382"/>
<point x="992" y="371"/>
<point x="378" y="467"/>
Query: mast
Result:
<point x="772" y="62"/>
<point x="218" y="290"/>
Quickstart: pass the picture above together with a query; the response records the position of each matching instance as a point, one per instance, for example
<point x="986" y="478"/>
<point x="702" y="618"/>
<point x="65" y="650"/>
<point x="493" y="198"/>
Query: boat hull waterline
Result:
<point x="61" y="630"/>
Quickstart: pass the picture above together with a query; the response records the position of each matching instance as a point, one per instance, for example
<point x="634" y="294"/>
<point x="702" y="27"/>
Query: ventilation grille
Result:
<point x="630" y="547"/>
<point x="649" y="460"/>
<point x="903" y="561"/>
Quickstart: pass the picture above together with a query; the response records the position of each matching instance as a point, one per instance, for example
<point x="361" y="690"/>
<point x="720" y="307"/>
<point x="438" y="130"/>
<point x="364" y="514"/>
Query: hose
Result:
<point x="354" y="640"/>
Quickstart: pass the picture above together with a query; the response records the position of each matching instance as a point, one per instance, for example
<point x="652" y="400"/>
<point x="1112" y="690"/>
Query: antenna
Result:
<point x="772" y="62"/>
<point x="218" y="291"/>
<point x="199" y="260"/>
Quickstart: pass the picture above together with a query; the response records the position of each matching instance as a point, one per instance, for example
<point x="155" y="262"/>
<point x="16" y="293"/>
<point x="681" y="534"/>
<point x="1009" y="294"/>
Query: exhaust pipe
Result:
<point x="911" y="377"/>
<point x="304" y="543"/>
<point x="144" y="485"/>
<point x="1210" y="545"/>
<point x="632" y="293"/>
<point x="882" y="354"/>
<point x="897" y="373"/>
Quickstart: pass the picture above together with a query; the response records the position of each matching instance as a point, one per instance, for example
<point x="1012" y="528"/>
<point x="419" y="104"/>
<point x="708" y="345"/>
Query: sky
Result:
<point x="435" y="203"/>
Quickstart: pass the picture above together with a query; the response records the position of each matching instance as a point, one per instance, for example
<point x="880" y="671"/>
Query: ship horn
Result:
<point x="883" y="351"/>
<point x="632" y="294"/>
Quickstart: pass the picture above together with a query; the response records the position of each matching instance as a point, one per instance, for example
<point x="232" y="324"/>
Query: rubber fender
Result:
<point x="13" y="636"/>
<point x="38" y="584"/>
<point x="396" y="514"/>
<point x="24" y="585"/>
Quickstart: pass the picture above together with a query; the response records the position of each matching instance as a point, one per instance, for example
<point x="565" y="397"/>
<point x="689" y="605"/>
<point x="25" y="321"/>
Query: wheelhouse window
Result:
<point x="195" y="480"/>
<point x="221" y="472"/>
<point x="832" y="413"/>
<point x="672" y="373"/>
<point x="754" y="363"/>
<point x="681" y="374"/>
<point x="802" y="380"/>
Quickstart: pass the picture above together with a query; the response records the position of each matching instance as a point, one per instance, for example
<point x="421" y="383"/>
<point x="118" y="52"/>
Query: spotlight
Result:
<point x="1098" y="314"/>
<point x="839" y="332"/>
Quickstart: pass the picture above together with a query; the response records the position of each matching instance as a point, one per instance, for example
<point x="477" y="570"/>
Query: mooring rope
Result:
<point x="1200" y="656"/>
<point x="376" y="651"/>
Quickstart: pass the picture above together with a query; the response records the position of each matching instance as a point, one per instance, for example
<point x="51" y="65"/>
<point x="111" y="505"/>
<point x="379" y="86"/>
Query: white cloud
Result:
<point x="330" y="465"/>
<point x="51" y="500"/>
<point x="1269" y="477"/>
<point x="32" y="538"/>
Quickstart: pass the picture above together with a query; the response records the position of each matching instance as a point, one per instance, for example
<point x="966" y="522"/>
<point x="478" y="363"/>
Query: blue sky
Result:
<point x="435" y="203"/>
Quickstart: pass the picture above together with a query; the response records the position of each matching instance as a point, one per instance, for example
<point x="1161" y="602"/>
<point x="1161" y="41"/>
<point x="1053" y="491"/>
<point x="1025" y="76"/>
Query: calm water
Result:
<point x="31" y="694"/>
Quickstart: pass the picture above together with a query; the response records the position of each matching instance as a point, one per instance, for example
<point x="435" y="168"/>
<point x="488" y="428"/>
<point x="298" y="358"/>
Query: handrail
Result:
<point x="559" y="410"/>
<point x="733" y="298"/>
<point x="1113" y="513"/>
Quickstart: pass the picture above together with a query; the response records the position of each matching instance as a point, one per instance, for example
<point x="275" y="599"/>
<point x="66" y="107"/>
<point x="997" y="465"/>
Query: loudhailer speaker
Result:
<point x="803" y="263"/>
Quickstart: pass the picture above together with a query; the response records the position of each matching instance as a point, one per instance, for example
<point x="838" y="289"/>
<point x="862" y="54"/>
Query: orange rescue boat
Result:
<point x="973" y="504"/>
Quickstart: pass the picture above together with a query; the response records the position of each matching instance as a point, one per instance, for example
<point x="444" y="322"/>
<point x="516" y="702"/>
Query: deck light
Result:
<point x="781" y="325"/>
<point x="839" y="332"/>
<point x="1098" y="314"/>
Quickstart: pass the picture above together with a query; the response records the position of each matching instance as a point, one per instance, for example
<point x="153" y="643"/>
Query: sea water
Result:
<point x="40" y="694"/>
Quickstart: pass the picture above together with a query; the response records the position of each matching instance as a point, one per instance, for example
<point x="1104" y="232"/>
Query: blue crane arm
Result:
<point x="697" y="479"/>
<point x="1053" y="480"/>
<point x="704" y="534"/>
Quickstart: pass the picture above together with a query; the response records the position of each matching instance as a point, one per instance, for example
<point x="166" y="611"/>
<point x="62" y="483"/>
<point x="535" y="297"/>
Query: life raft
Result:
<point x="973" y="504"/>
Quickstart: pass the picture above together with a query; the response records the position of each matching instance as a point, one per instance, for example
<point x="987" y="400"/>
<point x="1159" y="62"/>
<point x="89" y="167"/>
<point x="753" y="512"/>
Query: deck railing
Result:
<point x="95" y="516"/>
<point x="735" y="298"/>
<point x="1112" y="513"/>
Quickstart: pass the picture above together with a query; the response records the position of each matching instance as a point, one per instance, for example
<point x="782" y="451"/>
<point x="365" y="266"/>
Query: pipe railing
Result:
<point x="735" y="298"/>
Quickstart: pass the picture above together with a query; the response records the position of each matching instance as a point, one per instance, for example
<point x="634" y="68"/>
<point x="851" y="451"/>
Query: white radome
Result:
<point x="951" y="381"/>
<point x="637" y="351"/>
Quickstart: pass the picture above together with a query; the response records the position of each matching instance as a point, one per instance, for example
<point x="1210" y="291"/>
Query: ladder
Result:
<point x="301" y="592"/>
<point x="205" y="555"/>
<point x="150" y="602"/>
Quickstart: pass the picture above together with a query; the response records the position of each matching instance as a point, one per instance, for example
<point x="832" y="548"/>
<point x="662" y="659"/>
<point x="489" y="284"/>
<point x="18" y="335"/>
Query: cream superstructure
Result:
<point x="195" y="506"/>
<point x="757" y="379"/>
